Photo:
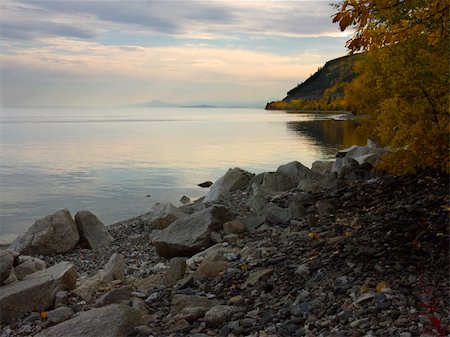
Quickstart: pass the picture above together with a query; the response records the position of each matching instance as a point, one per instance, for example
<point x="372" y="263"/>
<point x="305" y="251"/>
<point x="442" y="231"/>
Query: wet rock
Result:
<point x="205" y="184"/>
<point x="185" y="200"/>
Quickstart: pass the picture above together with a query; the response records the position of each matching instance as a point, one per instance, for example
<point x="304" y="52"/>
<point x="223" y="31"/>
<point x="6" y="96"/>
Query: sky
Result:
<point x="109" y="53"/>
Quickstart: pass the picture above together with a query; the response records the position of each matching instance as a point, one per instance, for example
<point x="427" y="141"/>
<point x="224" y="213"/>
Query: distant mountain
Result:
<point x="162" y="104"/>
<point x="337" y="70"/>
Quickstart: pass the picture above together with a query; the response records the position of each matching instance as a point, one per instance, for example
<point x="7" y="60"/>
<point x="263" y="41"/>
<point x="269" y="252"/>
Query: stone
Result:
<point x="114" y="320"/>
<point x="36" y="291"/>
<point x="53" y="234"/>
<point x="93" y="233"/>
<point x="256" y="276"/>
<point x="326" y="207"/>
<point x="276" y="215"/>
<point x="161" y="215"/>
<point x="11" y="278"/>
<point x="218" y="249"/>
<point x="89" y="286"/>
<point x="210" y="268"/>
<point x="234" y="227"/>
<point x="322" y="166"/>
<point x="205" y="184"/>
<point x="286" y="177"/>
<point x="317" y="183"/>
<point x="114" y="269"/>
<point x="302" y="270"/>
<point x="234" y="179"/>
<point x="59" y="315"/>
<point x="28" y="265"/>
<point x="181" y="302"/>
<point x="118" y="295"/>
<point x="185" y="200"/>
<point x="191" y="234"/>
<point x="175" y="272"/>
<point x="6" y="264"/>
<point x="220" y="314"/>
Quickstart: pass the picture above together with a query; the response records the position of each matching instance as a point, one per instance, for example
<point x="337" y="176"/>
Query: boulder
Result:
<point x="6" y="264"/>
<point x="210" y="268"/>
<point x="175" y="272"/>
<point x="317" y="182"/>
<point x="322" y="166"/>
<point x="54" y="234"/>
<point x="286" y="177"/>
<point x="363" y="154"/>
<point x="28" y="265"/>
<point x="233" y="180"/>
<point x="191" y="234"/>
<point x="36" y="291"/>
<point x="162" y="215"/>
<point x="276" y="215"/>
<point x="93" y="233"/>
<point x="114" y="320"/>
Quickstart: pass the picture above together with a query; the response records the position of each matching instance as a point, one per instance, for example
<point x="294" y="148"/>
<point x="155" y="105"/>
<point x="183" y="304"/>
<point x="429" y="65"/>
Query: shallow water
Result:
<point x="117" y="162"/>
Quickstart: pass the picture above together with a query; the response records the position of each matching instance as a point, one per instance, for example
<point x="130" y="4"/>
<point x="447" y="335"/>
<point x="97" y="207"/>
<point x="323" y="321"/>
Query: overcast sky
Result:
<point x="106" y="53"/>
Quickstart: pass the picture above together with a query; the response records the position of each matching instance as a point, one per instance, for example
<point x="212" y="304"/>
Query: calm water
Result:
<point x="117" y="162"/>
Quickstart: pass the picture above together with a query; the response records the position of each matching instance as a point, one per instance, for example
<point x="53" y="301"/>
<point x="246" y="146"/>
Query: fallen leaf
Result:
<point x="314" y="236"/>
<point x="44" y="314"/>
<point x="381" y="286"/>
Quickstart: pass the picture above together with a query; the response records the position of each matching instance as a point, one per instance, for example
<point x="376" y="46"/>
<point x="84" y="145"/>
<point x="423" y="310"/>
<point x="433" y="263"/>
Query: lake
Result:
<point x="117" y="162"/>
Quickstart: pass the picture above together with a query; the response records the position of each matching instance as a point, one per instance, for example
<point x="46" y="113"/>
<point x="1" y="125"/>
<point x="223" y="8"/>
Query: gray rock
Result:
<point x="326" y="207"/>
<point x="114" y="269"/>
<point x="183" y="302"/>
<point x="93" y="233"/>
<point x="322" y="166"/>
<point x="220" y="314"/>
<point x="191" y="234"/>
<point x="175" y="272"/>
<point x="54" y="234"/>
<point x="319" y="182"/>
<point x="28" y="265"/>
<point x="6" y="264"/>
<point x="185" y="200"/>
<point x="286" y="177"/>
<point x="60" y="314"/>
<point x="36" y="291"/>
<point x="161" y="215"/>
<point x="275" y="215"/>
<point x="234" y="227"/>
<point x="117" y="295"/>
<point x="114" y="320"/>
<point x="233" y="180"/>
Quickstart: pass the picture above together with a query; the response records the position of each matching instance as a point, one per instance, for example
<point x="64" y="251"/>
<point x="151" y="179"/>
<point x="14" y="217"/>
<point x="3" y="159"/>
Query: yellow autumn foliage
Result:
<point x="403" y="80"/>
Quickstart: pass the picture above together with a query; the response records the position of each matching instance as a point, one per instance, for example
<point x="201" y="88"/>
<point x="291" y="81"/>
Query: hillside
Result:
<point x="335" y="71"/>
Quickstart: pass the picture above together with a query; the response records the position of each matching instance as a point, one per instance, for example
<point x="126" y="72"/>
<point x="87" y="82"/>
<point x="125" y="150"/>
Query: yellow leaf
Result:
<point x="44" y="314"/>
<point x="364" y="289"/>
<point x="380" y="286"/>
<point x="357" y="226"/>
<point x="348" y="233"/>
<point x="314" y="236"/>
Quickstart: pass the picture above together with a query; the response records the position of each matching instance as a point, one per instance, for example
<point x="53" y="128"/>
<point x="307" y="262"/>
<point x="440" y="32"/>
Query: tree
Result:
<point x="403" y="79"/>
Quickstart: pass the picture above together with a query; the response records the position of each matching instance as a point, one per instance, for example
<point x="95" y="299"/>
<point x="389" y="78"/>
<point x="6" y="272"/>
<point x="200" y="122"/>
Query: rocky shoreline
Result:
<point x="338" y="250"/>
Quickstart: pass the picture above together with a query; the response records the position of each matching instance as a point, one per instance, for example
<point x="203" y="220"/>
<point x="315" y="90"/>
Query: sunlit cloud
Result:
<point x="79" y="52"/>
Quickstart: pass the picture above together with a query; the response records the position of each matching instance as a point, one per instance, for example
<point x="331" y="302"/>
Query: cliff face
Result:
<point x="337" y="70"/>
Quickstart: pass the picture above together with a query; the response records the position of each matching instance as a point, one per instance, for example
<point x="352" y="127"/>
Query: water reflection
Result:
<point x="330" y="135"/>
